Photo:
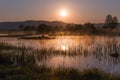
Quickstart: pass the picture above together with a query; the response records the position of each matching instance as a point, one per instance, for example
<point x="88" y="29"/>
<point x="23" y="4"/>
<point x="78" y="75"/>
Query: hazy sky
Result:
<point x="79" y="11"/>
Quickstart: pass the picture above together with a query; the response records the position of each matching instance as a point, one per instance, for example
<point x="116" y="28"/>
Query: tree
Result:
<point x="74" y="27"/>
<point x="108" y="19"/>
<point x="21" y="26"/>
<point x="90" y="28"/>
<point x="110" y="22"/>
<point x="43" y="28"/>
<point x="115" y="20"/>
<point x="29" y="28"/>
<point x="26" y="28"/>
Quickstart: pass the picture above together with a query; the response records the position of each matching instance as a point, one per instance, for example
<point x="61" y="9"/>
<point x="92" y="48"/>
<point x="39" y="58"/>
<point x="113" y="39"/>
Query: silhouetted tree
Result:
<point x="110" y="22"/>
<point x="115" y="21"/>
<point x="73" y="27"/>
<point x="43" y="28"/>
<point x="26" y="28"/>
<point x="90" y="28"/>
<point x="29" y="28"/>
<point x="21" y="27"/>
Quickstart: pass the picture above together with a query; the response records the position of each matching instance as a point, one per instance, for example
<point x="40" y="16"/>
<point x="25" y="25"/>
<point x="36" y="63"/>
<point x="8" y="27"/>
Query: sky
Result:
<point x="79" y="11"/>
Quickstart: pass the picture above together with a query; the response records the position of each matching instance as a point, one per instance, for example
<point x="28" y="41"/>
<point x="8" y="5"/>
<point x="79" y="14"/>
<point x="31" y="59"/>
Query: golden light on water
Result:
<point x="63" y="47"/>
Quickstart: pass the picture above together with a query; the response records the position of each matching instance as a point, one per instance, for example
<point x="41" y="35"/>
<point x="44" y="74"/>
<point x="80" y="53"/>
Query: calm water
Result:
<point x="91" y="52"/>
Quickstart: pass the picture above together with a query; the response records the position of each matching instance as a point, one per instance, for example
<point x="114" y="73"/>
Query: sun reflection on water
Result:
<point x="63" y="47"/>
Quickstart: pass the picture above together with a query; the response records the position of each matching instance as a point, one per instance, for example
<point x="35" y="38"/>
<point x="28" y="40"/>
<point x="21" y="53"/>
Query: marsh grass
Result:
<point x="19" y="63"/>
<point x="33" y="72"/>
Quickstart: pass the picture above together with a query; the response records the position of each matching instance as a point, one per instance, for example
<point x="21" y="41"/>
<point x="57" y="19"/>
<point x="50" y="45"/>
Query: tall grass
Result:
<point x="19" y="63"/>
<point x="17" y="55"/>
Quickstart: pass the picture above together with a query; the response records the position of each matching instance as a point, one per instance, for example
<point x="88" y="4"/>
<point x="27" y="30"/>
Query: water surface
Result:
<point x="90" y="51"/>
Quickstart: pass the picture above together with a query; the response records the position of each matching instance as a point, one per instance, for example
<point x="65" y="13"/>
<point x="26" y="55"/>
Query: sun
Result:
<point x="63" y="13"/>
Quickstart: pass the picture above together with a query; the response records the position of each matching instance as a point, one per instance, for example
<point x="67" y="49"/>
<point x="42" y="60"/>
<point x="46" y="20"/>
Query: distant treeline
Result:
<point x="87" y="28"/>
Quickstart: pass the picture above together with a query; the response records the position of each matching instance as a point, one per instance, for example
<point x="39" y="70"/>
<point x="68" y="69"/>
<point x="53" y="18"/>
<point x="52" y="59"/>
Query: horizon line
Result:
<point x="52" y="21"/>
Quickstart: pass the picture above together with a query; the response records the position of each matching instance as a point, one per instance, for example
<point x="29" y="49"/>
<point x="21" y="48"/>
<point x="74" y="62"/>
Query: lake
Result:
<point x="80" y="52"/>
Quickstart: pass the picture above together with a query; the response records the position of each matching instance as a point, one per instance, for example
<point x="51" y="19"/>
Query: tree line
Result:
<point x="87" y="28"/>
<point x="111" y="22"/>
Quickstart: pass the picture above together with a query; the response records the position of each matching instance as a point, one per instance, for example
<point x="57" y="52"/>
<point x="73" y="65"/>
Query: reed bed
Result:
<point x="20" y="62"/>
